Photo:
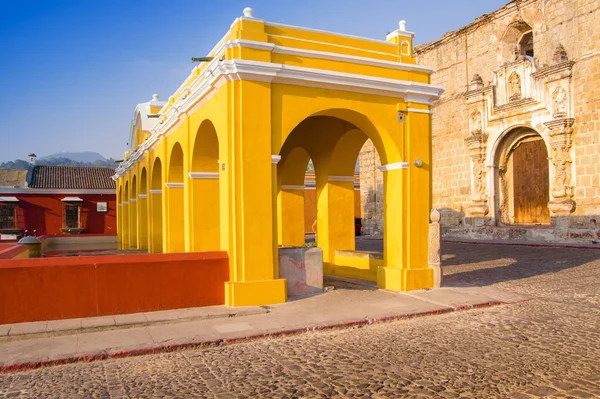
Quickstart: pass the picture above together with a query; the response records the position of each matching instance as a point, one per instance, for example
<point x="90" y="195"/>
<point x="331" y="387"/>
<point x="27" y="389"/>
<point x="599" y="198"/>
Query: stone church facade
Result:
<point x="516" y="135"/>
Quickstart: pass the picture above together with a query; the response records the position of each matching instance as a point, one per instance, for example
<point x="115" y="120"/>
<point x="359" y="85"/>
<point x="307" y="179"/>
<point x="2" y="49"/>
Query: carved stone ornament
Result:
<point x="560" y="54"/>
<point x="475" y="120"/>
<point x="559" y="100"/>
<point x="561" y="131"/>
<point x="514" y="83"/>
<point x="477" y="148"/>
<point x="476" y="82"/>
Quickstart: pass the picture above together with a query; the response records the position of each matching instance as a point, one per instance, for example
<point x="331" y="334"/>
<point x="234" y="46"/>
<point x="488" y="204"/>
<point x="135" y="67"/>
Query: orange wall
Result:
<point x="70" y="287"/>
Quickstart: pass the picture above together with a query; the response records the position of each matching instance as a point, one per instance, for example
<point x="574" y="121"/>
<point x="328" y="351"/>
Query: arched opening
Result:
<point x="526" y="44"/>
<point x="204" y="181"/>
<point x="126" y="218"/>
<point x="332" y="145"/>
<point x="175" y="239"/>
<point x="143" y="211"/>
<point x="371" y="191"/>
<point x="156" y="223"/>
<point x="522" y="158"/>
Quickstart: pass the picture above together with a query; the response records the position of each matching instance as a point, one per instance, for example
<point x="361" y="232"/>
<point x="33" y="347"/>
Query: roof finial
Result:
<point x="155" y="97"/>
<point x="248" y="12"/>
<point x="402" y="25"/>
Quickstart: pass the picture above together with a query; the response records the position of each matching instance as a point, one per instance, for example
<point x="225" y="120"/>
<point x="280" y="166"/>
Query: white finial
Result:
<point x="402" y="25"/>
<point x="155" y="97"/>
<point x="435" y="215"/>
<point x="248" y="12"/>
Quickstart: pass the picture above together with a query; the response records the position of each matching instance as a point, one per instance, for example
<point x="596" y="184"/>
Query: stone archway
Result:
<point x="523" y="178"/>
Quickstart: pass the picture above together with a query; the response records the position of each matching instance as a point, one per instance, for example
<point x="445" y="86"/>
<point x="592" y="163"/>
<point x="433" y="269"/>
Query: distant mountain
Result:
<point x="87" y="156"/>
<point x="60" y="161"/>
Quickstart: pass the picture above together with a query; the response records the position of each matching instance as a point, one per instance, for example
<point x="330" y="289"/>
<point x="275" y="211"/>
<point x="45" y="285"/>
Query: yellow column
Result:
<point x="253" y="276"/>
<point x="175" y="237"/>
<point x="408" y="203"/>
<point x="205" y="213"/>
<point x="120" y="226"/>
<point x="290" y="209"/>
<point x="142" y="208"/>
<point x="133" y="227"/>
<point x="335" y="213"/>
<point x="156" y="224"/>
<point x="125" y="208"/>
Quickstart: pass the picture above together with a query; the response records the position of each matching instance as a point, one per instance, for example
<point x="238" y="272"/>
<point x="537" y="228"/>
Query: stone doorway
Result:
<point x="523" y="179"/>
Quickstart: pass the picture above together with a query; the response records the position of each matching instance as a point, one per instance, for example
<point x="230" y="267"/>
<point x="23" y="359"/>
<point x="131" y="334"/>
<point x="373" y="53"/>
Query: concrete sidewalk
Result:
<point x="351" y="303"/>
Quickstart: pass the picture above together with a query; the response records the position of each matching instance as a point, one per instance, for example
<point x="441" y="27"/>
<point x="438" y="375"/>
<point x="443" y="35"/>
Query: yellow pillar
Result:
<point x="204" y="212"/>
<point x="120" y="225"/>
<point x="133" y="228"/>
<point x="335" y="213"/>
<point x="290" y="209"/>
<point x="126" y="223"/>
<point x="407" y="187"/>
<point x="174" y="239"/>
<point x="253" y="276"/>
<point x="142" y="211"/>
<point x="156" y="224"/>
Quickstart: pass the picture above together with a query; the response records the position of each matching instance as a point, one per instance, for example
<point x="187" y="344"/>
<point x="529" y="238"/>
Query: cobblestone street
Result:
<point x="547" y="347"/>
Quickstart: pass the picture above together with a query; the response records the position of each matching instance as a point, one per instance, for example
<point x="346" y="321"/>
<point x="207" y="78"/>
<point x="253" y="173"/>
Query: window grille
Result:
<point x="72" y="216"/>
<point x="8" y="218"/>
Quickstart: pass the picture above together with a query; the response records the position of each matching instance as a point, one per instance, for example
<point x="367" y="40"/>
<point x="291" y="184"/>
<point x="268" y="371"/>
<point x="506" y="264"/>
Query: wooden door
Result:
<point x="531" y="182"/>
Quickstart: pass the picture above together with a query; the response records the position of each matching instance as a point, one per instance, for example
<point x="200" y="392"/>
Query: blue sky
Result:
<point x="72" y="71"/>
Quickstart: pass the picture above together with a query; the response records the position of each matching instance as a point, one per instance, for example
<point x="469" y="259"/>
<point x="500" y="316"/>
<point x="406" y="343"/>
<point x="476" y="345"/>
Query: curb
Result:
<point x="517" y="244"/>
<point x="16" y="367"/>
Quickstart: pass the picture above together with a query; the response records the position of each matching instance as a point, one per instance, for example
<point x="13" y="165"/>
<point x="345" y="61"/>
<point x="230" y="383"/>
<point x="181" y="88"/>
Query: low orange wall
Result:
<point x="70" y="287"/>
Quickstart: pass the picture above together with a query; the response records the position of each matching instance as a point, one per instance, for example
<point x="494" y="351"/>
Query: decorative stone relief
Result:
<point x="476" y="83"/>
<point x="561" y="131"/>
<point x="514" y="82"/>
<point x="559" y="99"/>
<point x="475" y="119"/>
<point x="477" y="144"/>
<point x="435" y="259"/>
<point x="560" y="54"/>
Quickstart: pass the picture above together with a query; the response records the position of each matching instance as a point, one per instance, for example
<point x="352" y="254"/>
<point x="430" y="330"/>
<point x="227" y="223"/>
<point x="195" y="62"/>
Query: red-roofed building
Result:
<point x="57" y="200"/>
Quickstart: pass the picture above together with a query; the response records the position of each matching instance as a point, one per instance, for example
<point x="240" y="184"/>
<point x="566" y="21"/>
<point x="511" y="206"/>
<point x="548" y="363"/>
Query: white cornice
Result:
<point x="204" y="175"/>
<point x="51" y="191"/>
<point x="143" y="196"/>
<point x="217" y="72"/>
<point x="393" y="166"/>
<point x="132" y="200"/>
<point x="174" y="185"/>
<point x="420" y="111"/>
<point x="275" y="159"/>
<point x="155" y="191"/>
<point x="125" y="203"/>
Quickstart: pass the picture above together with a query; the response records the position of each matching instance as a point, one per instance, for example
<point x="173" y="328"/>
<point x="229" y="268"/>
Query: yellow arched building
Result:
<point x="221" y="164"/>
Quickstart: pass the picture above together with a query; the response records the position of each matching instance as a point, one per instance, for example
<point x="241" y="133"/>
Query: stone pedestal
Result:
<point x="302" y="268"/>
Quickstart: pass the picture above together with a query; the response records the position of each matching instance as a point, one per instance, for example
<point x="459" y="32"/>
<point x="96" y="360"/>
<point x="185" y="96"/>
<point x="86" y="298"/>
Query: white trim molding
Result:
<point x="9" y="199"/>
<point x="72" y="199"/>
<point x="119" y="204"/>
<point x="394" y="166"/>
<point x="341" y="178"/>
<point x="291" y="187"/>
<point x="275" y="159"/>
<point x="155" y="191"/>
<point x="125" y="203"/>
<point x="174" y="185"/>
<point x="204" y="175"/>
<point x="132" y="200"/>
<point x="420" y="111"/>
<point x="143" y="196"/>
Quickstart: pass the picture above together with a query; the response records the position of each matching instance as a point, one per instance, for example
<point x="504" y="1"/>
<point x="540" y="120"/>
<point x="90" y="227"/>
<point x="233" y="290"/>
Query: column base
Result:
<point x="396" y="279"/>
<point x="255" y="293"/>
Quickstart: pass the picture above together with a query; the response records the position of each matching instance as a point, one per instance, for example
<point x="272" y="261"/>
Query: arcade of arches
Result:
<point x="222" y="167"/>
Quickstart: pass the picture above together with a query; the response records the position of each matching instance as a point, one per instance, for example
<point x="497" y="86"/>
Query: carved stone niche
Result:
<point x="477" y="144"/>
<point x="513" y="81"/>
<point x="561" y="132"/>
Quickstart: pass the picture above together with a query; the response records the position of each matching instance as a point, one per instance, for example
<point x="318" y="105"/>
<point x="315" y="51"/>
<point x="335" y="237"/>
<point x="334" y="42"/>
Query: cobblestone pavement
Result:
<point x="548" y="347"/>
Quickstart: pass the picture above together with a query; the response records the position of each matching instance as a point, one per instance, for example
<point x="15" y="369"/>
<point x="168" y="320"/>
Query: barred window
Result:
<point x="8" y="217"/>
<point x="72" y="216"/>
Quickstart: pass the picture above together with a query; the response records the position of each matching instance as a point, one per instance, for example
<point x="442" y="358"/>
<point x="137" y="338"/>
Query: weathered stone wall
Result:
<point x="484" y="111"/>
<point x="371" y="190"/>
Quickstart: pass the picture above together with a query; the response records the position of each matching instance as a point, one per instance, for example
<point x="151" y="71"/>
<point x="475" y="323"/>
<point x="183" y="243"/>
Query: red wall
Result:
<point x="44" y="213"/>
<point x="71" y="287"/>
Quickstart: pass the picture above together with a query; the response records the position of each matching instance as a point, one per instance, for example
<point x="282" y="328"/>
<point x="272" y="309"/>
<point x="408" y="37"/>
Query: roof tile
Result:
<point x="72" y="177"/>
